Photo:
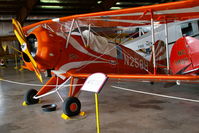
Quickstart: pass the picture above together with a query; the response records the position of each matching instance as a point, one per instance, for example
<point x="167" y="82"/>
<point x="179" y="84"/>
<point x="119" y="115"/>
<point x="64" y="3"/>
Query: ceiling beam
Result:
<point x="152" y="1"/>
<point x="7" y="14"/>
<point x="68" y="10"/>
<point x="69" y="3"/>
<point x="7" y="9"/>
<point x="25" y="10"/>
<point x="6" y="2"/>
<point x="58" y="12"/>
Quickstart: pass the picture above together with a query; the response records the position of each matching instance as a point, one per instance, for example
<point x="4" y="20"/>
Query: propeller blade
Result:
<point x="18" y="28"/>
<point x="22" y="39"/>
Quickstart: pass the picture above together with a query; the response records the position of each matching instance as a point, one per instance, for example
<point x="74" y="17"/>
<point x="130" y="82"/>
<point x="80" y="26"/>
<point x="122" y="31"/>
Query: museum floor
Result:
<point x="120" y="111"/>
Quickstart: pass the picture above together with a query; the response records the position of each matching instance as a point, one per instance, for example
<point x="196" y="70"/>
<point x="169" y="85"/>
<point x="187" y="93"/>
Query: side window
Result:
<point x="119" y="52"/>
<point x="198" y="24"/>
<point x="187" y="29"/>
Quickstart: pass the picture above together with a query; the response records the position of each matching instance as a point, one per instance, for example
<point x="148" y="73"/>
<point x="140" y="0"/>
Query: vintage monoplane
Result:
<point x="129" y="43"/>
<point x="8" y="51"/>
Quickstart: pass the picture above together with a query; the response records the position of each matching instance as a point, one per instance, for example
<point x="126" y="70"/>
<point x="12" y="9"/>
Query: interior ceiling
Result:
<point x="37" y="10"/>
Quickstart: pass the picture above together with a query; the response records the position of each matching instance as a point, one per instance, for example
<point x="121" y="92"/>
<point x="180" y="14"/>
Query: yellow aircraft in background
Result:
<point x="8" y="52"/>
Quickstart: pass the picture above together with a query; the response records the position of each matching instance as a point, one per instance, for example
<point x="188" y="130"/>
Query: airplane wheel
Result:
<point x="71" y="106"/>
<point x="28" y="97"/>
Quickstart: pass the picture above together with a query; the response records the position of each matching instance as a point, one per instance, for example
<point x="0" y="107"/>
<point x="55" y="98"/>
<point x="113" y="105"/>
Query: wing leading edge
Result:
<point x="145" y="77"/>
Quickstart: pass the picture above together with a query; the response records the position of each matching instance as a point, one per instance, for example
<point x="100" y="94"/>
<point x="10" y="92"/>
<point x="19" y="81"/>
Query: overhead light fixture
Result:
<point x="115" y="8"/>
<point x="99" y="2"/>
<point x="52" y="7"/>
<point x="50" y="1"/>
<point x="118" y="3"/>
<point x="133" y="3"/>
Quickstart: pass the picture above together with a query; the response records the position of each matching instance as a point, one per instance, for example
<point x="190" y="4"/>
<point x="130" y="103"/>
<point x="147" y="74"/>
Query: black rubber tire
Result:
<point x="49" y="107"/>
<point x="67" y="106"/>
<point x="28" y="97"/>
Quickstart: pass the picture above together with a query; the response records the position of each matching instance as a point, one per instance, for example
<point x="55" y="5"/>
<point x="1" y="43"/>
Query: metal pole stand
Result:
<point x="94" y="83"/>
<point x="97" y="113"/>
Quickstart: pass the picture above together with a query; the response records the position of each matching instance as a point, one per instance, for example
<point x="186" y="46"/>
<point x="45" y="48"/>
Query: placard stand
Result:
<point x="94" y="83"/>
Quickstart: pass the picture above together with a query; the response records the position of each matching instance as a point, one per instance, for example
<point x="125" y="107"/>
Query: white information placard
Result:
<point x="94" y="82"/>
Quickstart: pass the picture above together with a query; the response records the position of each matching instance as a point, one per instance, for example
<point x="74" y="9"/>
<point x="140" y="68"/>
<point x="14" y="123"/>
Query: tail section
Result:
<point x="184" y="57"/>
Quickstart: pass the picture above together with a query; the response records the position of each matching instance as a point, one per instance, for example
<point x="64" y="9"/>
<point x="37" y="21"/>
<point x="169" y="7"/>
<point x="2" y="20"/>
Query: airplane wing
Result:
<point x="139" y="16"/>
<point x="146" y="77"/>
<point x="120" y="26"/>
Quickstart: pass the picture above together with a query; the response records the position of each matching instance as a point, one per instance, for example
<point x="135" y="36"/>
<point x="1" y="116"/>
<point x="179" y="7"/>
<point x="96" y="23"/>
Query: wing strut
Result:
<point x="69" y="34"/>
<point x="153" y="42"/>
<point x="89" y="30"/>
<point x="167" y="45"/>
<point x="80" y="32"/>
<point x="74" y="22"/>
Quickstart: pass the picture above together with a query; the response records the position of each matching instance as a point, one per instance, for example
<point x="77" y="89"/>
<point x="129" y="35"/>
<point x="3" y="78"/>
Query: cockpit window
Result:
<point x="33" y="44"/>
<point x="187" y="29"/>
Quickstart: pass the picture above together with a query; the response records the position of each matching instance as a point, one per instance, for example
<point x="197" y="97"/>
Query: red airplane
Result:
<point x="76" y="46"/>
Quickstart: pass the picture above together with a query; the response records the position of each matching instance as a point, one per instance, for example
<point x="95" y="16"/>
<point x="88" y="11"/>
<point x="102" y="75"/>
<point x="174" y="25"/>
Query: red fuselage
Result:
<point x="52" y="53"/>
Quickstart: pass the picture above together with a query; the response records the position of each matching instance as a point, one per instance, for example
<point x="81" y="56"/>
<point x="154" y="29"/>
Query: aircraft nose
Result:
<point x="32" y="44"/>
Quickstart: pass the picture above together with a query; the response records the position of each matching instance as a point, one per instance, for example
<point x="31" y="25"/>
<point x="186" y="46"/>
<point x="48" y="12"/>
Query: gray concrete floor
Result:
<point x="120" y="111"/>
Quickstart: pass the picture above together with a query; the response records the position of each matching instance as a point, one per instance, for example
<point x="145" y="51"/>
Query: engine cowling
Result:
<point x="45" y="47"/>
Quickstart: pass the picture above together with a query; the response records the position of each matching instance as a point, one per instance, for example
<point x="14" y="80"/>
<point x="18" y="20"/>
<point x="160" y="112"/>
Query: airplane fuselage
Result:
<point x="53" y="53"/>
